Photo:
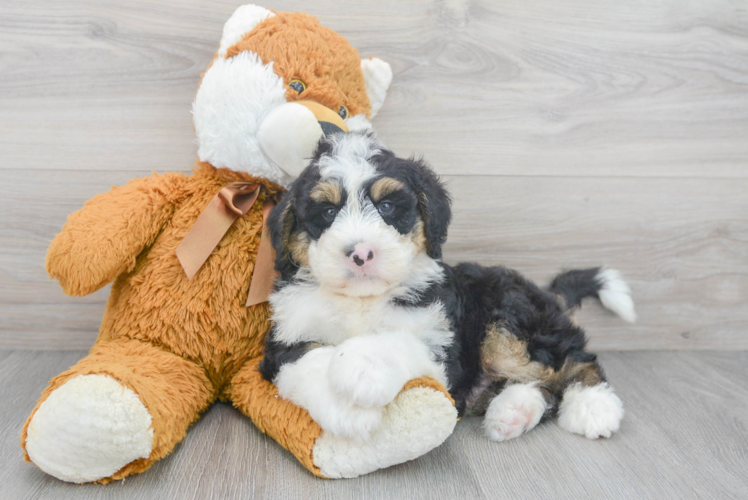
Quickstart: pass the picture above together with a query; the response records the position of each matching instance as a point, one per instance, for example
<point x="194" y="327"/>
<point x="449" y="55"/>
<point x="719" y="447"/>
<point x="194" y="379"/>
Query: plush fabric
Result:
<point x="325" y="61"/>
<point x="176" y="344"/>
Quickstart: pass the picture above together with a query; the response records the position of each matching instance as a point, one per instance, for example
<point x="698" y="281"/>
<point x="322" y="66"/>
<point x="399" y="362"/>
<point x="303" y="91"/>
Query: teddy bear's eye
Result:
<point x="343" y="112"/>
<point x="297" y="85"/>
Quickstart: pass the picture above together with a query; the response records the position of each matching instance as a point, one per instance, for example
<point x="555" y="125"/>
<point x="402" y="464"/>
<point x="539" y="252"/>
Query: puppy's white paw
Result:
<point x="517" y="409"/>
<point x="352" y="422"/>
<point x="88" y="429"/>
<point x="364" y="378"/>
<point x="591" y="411"/>
<point x="306" y="383"/>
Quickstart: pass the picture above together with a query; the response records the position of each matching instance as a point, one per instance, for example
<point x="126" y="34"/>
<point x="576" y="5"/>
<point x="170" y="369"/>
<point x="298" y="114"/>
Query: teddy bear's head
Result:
<point x="278" y="83"/>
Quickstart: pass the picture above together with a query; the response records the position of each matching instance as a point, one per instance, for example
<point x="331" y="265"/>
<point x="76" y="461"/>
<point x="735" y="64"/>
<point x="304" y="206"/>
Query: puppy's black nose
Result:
<point x="358" y="260"/>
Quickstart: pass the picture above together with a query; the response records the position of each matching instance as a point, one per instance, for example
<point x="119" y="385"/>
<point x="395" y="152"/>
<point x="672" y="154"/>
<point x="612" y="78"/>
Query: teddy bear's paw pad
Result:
<point x="88" y="429"/>
<point x="517" y="409"/>
<point x="591" y="411"/>
<point x="417" y="421"/>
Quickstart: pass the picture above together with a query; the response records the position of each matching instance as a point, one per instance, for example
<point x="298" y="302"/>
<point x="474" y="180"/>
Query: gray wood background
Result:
<point x="571" y="133"/>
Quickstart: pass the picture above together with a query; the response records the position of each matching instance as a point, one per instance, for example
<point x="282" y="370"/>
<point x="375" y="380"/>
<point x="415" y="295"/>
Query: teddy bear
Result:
<point x="187" y="314"/>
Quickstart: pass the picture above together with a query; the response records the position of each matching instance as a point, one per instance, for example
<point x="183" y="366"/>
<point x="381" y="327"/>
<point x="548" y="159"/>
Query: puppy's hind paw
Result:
<point x="591" y="411"/>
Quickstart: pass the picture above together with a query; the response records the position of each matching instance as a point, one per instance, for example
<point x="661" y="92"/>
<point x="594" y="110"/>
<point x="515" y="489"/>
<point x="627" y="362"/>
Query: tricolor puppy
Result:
<point x="364" y="305"/>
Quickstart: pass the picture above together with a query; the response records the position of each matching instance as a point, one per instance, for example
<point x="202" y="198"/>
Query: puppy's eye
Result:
<point x="343" y="112"/>
<point x="297" y="85"/>
<point x="386" y="208"/>
<point x="329" y="214"/>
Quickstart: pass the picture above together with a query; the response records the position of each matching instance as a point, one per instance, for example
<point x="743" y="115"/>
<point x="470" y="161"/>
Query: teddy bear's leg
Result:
<point x="118" y="410"/>
<point x="419" y="419"/>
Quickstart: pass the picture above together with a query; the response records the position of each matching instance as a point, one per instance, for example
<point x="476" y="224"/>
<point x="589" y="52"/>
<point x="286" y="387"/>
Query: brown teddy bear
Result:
<point x="178" y="333"/>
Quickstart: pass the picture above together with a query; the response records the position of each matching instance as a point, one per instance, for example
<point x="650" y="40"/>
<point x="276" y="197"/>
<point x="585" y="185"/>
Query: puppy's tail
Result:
<point x="604" y="283"/>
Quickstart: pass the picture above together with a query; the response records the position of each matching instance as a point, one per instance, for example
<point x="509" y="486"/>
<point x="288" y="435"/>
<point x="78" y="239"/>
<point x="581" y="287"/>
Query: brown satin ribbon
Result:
<point x="264" y="274"/>
<point x="230" y="203"/>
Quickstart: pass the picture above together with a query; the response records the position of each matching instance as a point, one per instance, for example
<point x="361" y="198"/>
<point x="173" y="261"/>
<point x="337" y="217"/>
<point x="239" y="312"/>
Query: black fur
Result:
<point x="432" y="201"/>
<point x="475" y="298"/>
<point x="425" y="197"/>
<point x="296" y="211"/>
<point x="281" y="223"/>
<point x="573" y="286"/>
<point x="277" y="354"/>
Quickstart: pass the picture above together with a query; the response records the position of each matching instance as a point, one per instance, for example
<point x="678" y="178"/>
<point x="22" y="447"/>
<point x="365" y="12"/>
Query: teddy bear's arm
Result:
<point x="103" y="239"/>
<point x="420" y="419"/>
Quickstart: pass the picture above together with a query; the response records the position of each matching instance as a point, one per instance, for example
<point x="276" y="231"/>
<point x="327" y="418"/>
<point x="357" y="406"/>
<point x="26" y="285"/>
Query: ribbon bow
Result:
<point x="230" y="203"/>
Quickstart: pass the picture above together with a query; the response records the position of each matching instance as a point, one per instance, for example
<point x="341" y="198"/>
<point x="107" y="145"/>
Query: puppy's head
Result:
<point x="359" y="220"/>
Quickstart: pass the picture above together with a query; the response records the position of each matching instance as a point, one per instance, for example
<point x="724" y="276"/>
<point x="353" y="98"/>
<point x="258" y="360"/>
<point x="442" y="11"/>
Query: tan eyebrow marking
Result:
<point x="327" y="191"/>
<point x="385" y="186"/>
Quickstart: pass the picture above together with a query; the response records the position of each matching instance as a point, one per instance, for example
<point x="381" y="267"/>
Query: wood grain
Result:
<point x="681" y="243"/>
<point x="572" y="134"/>
<point x="573" y="88"/>
<point x="684" y="436"/>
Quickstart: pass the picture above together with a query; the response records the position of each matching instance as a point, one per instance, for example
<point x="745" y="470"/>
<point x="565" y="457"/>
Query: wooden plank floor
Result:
<point x="572" y="133"/>
<point x="685" y="435"/>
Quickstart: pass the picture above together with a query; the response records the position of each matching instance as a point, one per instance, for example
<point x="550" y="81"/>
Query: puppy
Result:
<point x="364" y="305"/>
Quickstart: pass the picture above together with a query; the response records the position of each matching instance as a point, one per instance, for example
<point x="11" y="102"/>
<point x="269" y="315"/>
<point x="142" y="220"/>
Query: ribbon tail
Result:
<point x="264" y="273"/>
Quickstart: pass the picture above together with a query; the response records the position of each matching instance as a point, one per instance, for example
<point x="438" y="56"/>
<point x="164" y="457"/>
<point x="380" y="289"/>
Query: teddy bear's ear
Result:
<point x="243" y="20"/>
<point x="378" y="77"/>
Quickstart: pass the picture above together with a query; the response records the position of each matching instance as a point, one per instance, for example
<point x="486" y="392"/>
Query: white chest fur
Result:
<point x="306" y="312"/>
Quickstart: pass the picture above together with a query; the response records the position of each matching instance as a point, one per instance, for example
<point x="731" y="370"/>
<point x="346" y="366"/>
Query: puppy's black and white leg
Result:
<point x="301" y="374"/>
<point x="517" y="409"/>
<point x="534" y="391"/>
<point x="522" y="400"/>
<point x="588" y="405"/>
<point x="577" y="392"/>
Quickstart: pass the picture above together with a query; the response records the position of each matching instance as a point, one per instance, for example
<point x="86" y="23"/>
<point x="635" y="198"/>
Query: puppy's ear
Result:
<point x="282" y="223"/>
<point x="434" y="205"/>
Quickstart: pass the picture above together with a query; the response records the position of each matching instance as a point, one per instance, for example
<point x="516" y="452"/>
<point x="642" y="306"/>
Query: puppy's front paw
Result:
<point x="353" y="422"/>
<point x="305" y="382"/>
<point x="517" y="409"/>
<point x="365" y="379"/>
